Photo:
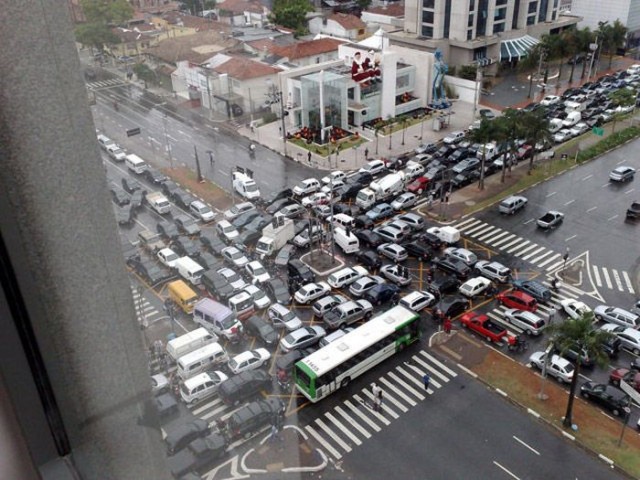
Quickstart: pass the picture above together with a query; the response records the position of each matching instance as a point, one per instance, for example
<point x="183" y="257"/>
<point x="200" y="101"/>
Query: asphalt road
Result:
<point x="471" y="433"/>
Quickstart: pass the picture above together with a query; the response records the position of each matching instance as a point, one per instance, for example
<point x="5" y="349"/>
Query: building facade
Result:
<point x="592" y="12"/>
<point x="469" y="30"/>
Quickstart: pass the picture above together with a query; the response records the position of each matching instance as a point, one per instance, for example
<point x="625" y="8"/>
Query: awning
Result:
<point x="516" y="48"/>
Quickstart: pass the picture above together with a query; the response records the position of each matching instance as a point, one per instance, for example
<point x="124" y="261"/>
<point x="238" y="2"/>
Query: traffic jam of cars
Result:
<point x="246" y="283"/>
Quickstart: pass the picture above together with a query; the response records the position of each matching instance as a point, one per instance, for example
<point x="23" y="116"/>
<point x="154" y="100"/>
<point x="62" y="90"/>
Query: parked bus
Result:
<point x="335" y="365"/>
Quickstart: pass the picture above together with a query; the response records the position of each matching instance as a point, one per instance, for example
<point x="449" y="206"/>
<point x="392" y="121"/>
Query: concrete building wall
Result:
<point x="465" y="90"/>
<point x="594" y="11"/>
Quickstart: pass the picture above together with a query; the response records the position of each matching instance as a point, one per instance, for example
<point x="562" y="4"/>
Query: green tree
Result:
<point x="579" y="41"/>
<point x="621" y="98"/>
<point x="536" y="131"/>
<point x="485" y="133"/>
<point x="580" y="336"/>
<point x="291" y="14"/>
<point x="612" y="37"/>
<point x="531" y="62"/>
<point x="101" y="16"/>
<point x="509" y="128"/>
<point x="363" y="4"/>
<point x="144" y="73"/>
<point x="195" y="6"/>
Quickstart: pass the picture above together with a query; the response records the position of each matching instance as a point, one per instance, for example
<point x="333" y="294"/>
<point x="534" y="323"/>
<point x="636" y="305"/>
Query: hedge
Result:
<point x="614" y="140"/>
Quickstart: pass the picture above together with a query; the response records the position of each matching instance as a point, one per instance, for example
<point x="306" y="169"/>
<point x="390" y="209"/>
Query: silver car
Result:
<point x="393" y="251"/>
<point x="616" y="315"/>
<point x="302" y="337"/>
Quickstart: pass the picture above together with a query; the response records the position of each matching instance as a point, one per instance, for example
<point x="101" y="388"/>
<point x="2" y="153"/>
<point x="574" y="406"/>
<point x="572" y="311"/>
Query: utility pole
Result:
<point x="284" y="131"/>
<point x="166" y="140"/>
<point x="198" y="169"/>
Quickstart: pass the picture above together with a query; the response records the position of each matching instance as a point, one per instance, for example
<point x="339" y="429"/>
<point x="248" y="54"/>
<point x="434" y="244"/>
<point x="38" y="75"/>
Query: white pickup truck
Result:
<point x="158" y="202"/>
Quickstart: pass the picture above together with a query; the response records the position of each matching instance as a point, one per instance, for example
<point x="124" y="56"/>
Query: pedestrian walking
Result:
<point x="376" y="391"/>
<point x="309" y="156"/>
<point x="447" y="326"/>
<point x="366" y="154"/>
<point x="426" y="379"/>
<point x="379" y="400"/>
<point x="274" y="433"/>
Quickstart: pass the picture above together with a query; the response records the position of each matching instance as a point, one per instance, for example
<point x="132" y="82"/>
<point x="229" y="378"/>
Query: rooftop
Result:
<point x="244" y="68"/>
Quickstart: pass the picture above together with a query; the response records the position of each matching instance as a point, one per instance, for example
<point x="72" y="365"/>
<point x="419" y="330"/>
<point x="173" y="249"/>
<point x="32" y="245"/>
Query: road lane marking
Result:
<point x="605" y="273"/>
<point x="490" y="228"/>
<point x="342" y="428"/>
<point x="569" y="202"/>
<point x="591" y="209"/>
<point x="551" y="194"/>
<point x="473" y="221"/>
<point x="496" y="237"/>
<point x="604" y="186"/>
<point x="537" y="259"/>
<point x="438" y="363"/>
<point x="475" y="228"/>
<point x="596" y="275"/>
<point x="323" y="442"/>
<point x="384" y="406"/>
<point x="524" y="444"/>
<point x="529" y="221"/>
<point x="493" y="232"/>
<point x="505" y="470"/>
<point x="616" y="277"/>
<point x="570" y="238"/>
<point x="549" y="260"/>
<point x="512" y="242"/>
<point x="333" y="436"/>
<point x="224" y="173"/>
<point x="520" y="252"/>
<point x="629" y="191"/>
<point x="406" y="386"/>
<point x="628" y="282"/>
<point x="612" y="218"/>
<point x="412" y="378"/>
<point x="352" y="422"/>
<point x="389" y="398"/>
<point x="362" y="416"/>
<point x="587" y="177"/>
<point x="535" y="252"/>
<point x="368" y="394"/>
<point x="517" y="246"/>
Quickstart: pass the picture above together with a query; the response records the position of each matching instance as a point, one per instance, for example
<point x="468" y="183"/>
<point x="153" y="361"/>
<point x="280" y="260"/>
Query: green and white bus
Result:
<point x="338" y="363"/>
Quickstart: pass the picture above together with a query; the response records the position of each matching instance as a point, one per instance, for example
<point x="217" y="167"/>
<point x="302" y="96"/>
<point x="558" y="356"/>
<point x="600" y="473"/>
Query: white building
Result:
<point x="340" y="25"/>
<point x="594" y="11"/>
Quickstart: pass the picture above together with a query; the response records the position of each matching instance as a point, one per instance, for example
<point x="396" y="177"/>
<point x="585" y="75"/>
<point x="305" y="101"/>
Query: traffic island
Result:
<point x="288" y="451"/>
<point x="322" y="262"/>
<point x="546" y="400"/>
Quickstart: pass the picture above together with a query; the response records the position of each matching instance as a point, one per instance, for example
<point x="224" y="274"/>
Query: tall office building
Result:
<point x="469" y="30"/>
<point x="594" y="11"/>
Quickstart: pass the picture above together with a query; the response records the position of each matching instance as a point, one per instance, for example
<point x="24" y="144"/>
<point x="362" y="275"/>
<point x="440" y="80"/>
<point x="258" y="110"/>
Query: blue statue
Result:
<point x="438" y="93"/>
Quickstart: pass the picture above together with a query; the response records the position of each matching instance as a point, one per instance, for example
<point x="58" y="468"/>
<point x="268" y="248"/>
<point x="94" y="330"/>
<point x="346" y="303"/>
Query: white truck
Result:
<point x="378" y="191"/>
<point x="274" y="238"/>
<point x="446" y="234"/>
<point x="245" y="186"/>
<point x="158" y="202"/>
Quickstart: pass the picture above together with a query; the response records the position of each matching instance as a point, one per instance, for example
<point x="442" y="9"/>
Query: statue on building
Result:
<point x="438" y="93"/>
<point x="366" y="71"/>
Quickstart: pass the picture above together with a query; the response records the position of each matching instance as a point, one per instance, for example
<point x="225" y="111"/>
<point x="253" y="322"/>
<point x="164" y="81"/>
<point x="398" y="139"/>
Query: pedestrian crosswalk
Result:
<point x="112" y="82"/>
<point x="353" y="421"/>
<point x="542" y="257"/>
<point x="146" y="313"/>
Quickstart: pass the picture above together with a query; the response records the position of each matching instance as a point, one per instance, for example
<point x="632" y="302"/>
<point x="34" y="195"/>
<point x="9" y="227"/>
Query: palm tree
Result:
<point x="621" y="98"/>
<point x="404" y="121"/>
<point x="509" y="129"/>
<point x="613" y="36"/>
<point x="536" y="130"/>
<point x="485" y="133"/>
<point x="530" y="62"/>
<point x="585" y="38"/>
<point x="580" y="336"/>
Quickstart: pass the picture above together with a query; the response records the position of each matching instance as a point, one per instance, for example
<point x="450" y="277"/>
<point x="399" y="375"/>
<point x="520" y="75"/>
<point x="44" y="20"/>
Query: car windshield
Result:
<point x="228" y="322"/>
<point x="252" y="187"/>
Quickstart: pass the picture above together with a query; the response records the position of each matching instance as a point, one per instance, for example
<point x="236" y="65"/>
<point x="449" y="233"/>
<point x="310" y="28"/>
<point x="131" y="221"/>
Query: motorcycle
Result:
<point x="517" y="344"/>
<point x="556" y="284"/>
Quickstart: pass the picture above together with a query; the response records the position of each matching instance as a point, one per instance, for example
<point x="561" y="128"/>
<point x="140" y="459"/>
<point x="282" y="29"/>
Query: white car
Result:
<point x="325" y="304"/>
<point x="237" y="210"/>
<point x="579" y="129"/>
<point x="249" y="360"/>
<point x="622" y="173"/>
<point x="168" y="257"/>
<point x="474" y="286"/>
<point x="233" y="278"/>
<point x="281" y="316"/>
<point x="334" y="176"/>
<point x="575" y="308"/>
<point x="202" y="211"/>
<point x="257" y="272"/>
<point x="235" y="256"/>
<point x="306" y="187"/>
<point x="311" y="291"/>
<point x="453" y="137"/>
<point x="260" y="299"/>
<point x="630" y="338"/>
<point x="318" y="198"/>
<point x="364" y="284"/>
<point x="373" y="167"/>
<point x="404" y="201"/>
<point x="558" y="367"/>
<point x="467" y="256"/>
<point x="418" y="300"/>
<point x="116" y="153"/>
<point x="332" y="187"/>
<point x="550" y="100"/>
<point x="562" y="136"/>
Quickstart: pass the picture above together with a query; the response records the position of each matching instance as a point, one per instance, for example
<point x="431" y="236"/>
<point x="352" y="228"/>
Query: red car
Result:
<point x="418" y="186"/>
<point x="632" y="377"/>
<point x="518" y="299"/>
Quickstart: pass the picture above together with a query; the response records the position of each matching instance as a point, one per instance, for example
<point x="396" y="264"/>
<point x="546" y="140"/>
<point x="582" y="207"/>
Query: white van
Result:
<point x="104" y="141"/>
<point x="555" y="124"/>
<point x="343" y="220"/>
<point x="135" y="163"/>
<point x="217" y="318"/>
<point x="201" y="386"/>
<point x="346" y="276"/>
<point x="412" y="171"/>
<point x="570" y="106"/>
<point x="189" y="342"/>
<point x="202" y="359"/>
<point x="189" y="269"/>
<point x="245" y="186"/>
<point x="572" y="119"/>
<point x="349" y="243"/>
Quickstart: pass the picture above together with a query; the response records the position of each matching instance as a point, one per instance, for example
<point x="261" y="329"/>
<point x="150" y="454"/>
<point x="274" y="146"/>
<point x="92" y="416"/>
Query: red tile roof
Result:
<point x="241" y="6"/>
<point x="348" y="21"/>
<point x="391" y="10"/>
<point x="307" y="49"/>
<point x="244" y="68"/>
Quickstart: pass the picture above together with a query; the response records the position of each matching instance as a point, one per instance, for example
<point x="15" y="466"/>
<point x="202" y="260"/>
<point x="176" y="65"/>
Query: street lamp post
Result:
<point x="404" y="129"/>
<point x="166" y="140"/>
<point x="390" y="135"/>
<point x="198" y="169"/>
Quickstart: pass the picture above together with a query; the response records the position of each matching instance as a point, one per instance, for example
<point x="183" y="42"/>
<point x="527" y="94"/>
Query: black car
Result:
<point x="168" y="230"/>
<point x="212" y="242"/>
<point x="370" y="238"/>
<point x="277" y="205"/>
<point x="186" y="225"/>
<point x="184" y="434"/>
<point x="149" y="270"/>
<point x="183" y="199"/>
<point x="198" y="454"/>
<point x="169" y="187"/>
<point x="130" y="185"/>
<point x="125" y="215"/>
<point x="184" y="246"/>
<point x="360" y="178"/>
<point x="369" y="259"/>
<point x="349" y="191"/>
<point x="467" y="178"/>
<point x="609" y="397"/>
<point x="416" y="249"/>
<point x="253" y="417"/>
<point x="119" y="196"/>
<point x="453" y="265"/>
<point x="269" y="199"/>
<point x="459" y="155"/>
<point x="245" y="219"/>
<point x="342" y="208"/>
<point x="452" y="307"/>
<point x="277" y="290"/>
<point x="300" y="272"/>
<point x="244" y="385"/>
<point x="248" y="237"/>
<point x="633" y="212"/>
<point x="217" y="286"/>
<point x="259" y="222"/>
<point x="442" y="285"/>
<point x="362" y="221"/>
<point x="209" y="261"/>
<point x="137" y="198"/>
<point x="256" y="327"/>
<point x="154" y="176"/>
<point x="382" y="293"/>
